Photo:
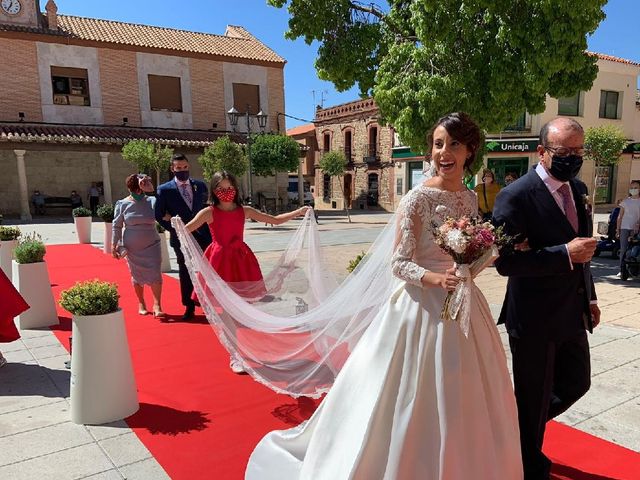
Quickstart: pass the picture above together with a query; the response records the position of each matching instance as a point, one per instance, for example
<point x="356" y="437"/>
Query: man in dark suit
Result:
<point x="185" y="197"/>
<point x="550" y="300"/>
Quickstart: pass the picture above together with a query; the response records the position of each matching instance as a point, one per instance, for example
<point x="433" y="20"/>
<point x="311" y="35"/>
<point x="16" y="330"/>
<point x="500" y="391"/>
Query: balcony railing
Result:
<point x="348" y="154"/>
<point x="371" y="154"/>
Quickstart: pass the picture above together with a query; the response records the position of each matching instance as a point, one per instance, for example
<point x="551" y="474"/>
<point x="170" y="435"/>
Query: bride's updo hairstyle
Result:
<point x="460" y="126"/>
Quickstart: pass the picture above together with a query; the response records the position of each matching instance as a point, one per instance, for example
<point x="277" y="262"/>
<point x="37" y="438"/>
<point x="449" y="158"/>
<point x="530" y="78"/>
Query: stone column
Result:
<point x="106" y="177"/>
<point x="25" y="213"/>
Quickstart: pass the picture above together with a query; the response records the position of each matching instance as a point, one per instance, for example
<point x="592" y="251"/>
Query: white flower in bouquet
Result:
<point x="457" y="240"/>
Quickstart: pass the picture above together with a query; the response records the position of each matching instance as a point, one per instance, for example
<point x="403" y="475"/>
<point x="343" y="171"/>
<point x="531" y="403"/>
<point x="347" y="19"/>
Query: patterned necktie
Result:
<point x="569" y="206"/>
<point x="186" y="194"/>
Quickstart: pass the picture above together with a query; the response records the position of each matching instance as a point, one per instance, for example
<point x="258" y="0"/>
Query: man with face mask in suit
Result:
<point x="185" y="197"/>
<point x="550" y="302"/>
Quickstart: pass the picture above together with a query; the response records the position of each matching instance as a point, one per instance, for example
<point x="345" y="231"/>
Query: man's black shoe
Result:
<point x="188" y="313"/>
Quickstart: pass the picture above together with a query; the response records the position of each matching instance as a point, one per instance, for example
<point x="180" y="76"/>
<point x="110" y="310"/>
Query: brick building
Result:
<point x="76" y="89"/>
<point x="369" y="180"/>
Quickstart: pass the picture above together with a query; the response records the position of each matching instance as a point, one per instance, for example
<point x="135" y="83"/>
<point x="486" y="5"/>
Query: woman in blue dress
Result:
<point x="140" y="242"/>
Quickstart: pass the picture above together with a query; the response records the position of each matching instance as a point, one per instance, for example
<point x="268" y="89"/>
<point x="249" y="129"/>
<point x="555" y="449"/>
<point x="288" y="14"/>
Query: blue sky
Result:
<point x="614" y="36"/>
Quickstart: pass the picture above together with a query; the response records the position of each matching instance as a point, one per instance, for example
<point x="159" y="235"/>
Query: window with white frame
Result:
<point x="609" y="104"/>
<point x="571" y="106"/>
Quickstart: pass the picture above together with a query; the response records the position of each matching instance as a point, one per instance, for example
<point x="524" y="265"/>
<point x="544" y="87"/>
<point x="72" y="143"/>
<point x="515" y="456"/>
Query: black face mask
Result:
<point x="565" y="168"/>
<point x="182" y="175"/>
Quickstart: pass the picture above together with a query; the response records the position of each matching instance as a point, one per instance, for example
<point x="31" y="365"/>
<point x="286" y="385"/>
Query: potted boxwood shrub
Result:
<point x="105" y="212"/>
<point x="8" y="240"/>
<point x="103" y="386"/>
<point x="165" y="265"/>
<point x="31" y="278"/>
<point x="82" y="220"/>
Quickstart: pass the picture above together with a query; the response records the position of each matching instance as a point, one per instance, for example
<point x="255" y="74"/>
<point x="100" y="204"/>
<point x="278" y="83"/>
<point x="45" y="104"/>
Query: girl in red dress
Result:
<point x="12" y="304"/>
<point x="230" y="257"/>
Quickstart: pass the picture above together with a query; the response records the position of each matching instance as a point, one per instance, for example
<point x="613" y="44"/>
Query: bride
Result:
<point x="417" y="398"/>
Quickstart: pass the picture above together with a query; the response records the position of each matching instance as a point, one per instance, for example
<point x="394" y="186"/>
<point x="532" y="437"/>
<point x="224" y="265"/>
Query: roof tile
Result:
<point x="235" y="43"/>
<point x="92" y="134"/>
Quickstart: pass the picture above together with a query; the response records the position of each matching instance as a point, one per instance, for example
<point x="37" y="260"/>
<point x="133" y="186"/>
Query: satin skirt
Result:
<point x="417" y="399"/>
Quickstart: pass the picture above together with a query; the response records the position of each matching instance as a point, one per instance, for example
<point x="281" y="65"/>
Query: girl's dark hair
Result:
<point x="215" y="181"/>
<point x="133" y="184"/>
<point x="461" y="127"/>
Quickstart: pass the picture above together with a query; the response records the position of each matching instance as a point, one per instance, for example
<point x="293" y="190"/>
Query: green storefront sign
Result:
<point x="403" y="152"/>
<point x="511" y="146"/>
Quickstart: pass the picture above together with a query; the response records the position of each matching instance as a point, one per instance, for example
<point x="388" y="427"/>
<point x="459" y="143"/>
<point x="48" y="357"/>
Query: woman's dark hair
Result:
<point x="488" y="172"/>
<point x="215" y="181"/>
<point x="461" y="127"/>
<point x="133" y="184"/>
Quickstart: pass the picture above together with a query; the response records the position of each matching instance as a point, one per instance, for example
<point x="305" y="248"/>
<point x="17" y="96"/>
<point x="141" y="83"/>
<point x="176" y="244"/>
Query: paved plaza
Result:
<point x="34" y="387"/>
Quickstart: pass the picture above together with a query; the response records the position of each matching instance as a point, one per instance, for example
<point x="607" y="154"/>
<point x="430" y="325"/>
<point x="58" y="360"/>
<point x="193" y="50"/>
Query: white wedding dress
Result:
<point x="417" y="399"/>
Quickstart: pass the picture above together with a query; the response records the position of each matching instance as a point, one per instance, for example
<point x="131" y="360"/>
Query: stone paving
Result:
<point x="34" y="387"/>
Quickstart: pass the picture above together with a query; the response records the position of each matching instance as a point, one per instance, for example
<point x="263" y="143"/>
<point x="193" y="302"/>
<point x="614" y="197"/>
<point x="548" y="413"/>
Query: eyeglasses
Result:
<point x="563" y="152"/>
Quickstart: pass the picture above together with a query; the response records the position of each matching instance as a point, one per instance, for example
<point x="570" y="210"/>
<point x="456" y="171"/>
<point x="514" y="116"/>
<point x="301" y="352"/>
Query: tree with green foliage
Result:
<point x="273" y="153"/>
<point x="421" y="59"/>
<point x="333" y="164"/>
<point x="148" y="157"/>
<point x="223" y="155"/>
<point x="604" y="145"/>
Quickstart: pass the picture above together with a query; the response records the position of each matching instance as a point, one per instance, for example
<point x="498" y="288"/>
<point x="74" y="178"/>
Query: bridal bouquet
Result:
<point x="472" y="244"/>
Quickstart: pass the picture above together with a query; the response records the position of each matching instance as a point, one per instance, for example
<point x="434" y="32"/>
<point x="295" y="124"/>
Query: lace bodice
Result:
<point x="415" y="251"/>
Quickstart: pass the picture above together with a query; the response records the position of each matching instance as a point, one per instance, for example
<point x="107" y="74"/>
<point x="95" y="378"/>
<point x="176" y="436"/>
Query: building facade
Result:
<point x="613" y="99"/>
<point x="75" y="90"/>
<point x="369" y="180"/>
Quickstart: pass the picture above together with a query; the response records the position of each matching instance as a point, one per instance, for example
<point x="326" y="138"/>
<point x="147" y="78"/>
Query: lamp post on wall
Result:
<point x="262" y="117"/>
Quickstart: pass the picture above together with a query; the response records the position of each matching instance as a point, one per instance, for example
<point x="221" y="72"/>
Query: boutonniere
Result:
<point x="586" y="201"/>
<point x="195" y="188"/>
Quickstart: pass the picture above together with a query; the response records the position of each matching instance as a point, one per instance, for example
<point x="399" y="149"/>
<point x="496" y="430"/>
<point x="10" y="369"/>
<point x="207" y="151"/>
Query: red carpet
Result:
<point x="199" y="420"/>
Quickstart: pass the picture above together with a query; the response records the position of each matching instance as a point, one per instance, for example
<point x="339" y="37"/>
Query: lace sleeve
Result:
<point x="411" y="213"/>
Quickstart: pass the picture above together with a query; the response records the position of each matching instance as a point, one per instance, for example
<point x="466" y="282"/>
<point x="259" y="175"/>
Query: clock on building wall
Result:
<point x="11" y="7"/>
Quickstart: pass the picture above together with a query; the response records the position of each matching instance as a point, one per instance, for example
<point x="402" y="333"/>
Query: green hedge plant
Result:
<point x="105" y="212"/>
<point x="81" y="212"/>
<point x="30" y="249"/>
<point x="355" y="262"/>
<point x="93" y="297"/>
<point x="9" y="233"/>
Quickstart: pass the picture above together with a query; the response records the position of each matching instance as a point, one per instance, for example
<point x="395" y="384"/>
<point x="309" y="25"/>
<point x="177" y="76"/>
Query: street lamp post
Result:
<point x="262" y="117"/>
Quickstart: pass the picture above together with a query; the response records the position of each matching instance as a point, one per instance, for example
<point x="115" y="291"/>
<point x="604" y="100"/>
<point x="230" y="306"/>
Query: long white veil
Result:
<point x="296" y="338"/>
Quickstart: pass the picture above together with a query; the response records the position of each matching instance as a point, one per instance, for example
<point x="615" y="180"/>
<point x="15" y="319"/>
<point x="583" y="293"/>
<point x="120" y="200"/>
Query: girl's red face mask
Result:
<point x="225" y="194"/>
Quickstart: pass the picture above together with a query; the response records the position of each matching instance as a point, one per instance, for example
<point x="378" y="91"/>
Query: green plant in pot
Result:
<point x="30" y="249"/>
<point x="93" y="297"/>
<point x="9" y="233"/>
<point x="104" y="387"/>
<point x="81" y="212"/>
<point x="105" y="212"/>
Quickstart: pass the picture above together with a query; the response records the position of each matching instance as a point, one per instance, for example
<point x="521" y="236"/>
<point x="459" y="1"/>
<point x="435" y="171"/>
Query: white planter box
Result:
<point x="103" y="386"/>
<point x="6" y="255"/>
<point x="83" y="229"/>
<point x="107" y="238"/>
<point x="165" y="266"/>
<point x="32" y="281"/>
